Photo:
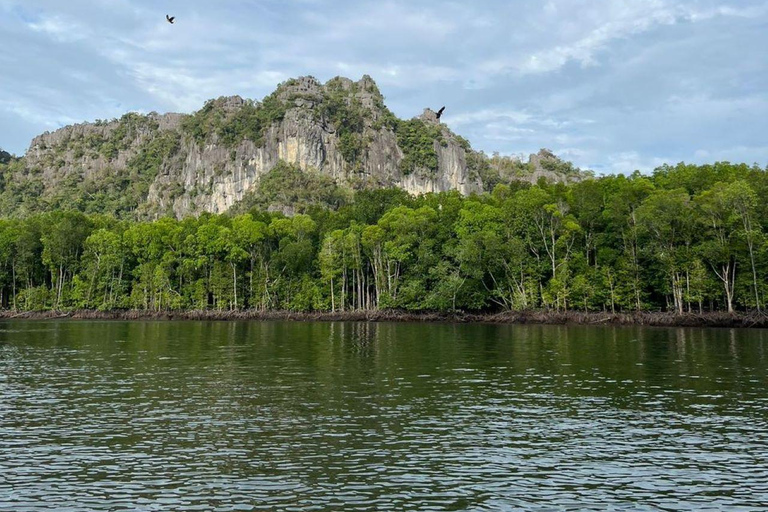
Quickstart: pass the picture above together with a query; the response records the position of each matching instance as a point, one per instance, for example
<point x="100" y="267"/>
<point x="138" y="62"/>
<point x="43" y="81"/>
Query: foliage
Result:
<point x="672" y="241"/>
<point x="116" y="190"/>
<point x="250" y="121"/>
<point x="417" y="140"/>
<point x="286" y="185"/>
<point x="346" y="114"/>
<point x="108" y="167"/>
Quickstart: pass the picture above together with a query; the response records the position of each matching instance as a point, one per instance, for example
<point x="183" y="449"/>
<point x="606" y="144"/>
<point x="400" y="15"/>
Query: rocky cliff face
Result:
<point x="341" y="130"/>
<point x="151" y="165"/>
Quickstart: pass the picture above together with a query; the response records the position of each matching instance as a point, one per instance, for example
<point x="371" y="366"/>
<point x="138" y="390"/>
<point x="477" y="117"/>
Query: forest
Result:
<point x="685" y="238"/>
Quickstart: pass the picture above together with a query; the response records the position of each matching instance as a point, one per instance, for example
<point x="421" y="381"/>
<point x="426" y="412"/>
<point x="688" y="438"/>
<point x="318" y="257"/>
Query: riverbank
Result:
<point x="511" y="317"/>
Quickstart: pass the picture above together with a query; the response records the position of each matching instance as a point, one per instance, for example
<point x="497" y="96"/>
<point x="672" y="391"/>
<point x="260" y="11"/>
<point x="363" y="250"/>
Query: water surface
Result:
<point x="355" y="416"/>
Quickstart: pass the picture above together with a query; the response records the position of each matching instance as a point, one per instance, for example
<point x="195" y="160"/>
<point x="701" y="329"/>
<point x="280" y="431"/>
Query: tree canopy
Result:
<point x="685" y="238"/>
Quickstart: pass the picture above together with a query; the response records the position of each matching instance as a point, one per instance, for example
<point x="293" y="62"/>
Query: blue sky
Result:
<point x="613" y="85"/>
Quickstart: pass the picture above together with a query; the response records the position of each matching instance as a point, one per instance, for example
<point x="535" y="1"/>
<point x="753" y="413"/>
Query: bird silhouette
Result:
<point x="170" y="19"/>
<point x="440" y="112"/>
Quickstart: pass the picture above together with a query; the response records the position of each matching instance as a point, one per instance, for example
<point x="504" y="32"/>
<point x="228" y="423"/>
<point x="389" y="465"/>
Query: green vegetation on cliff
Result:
<point x="248" y="120"/>
<point x="141" y="166"/>
<point x="129" y="128"/>
<point x="687" y="238"/>
<point x="287" y="186"/>
<point x="113" y="190"/>
<point x="346" y="114"/>
<point x="417" y="141"/>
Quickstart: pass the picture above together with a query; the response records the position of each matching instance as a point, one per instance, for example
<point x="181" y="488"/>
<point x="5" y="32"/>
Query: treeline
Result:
<point x="686" y="238"/>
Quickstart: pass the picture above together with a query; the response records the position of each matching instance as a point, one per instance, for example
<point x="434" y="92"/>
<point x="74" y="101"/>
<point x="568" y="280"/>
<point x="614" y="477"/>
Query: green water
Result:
<point x="354" y="416"/>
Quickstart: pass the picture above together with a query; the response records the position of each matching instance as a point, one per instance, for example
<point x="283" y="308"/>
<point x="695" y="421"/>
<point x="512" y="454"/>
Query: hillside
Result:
<point x="334" y="137"/>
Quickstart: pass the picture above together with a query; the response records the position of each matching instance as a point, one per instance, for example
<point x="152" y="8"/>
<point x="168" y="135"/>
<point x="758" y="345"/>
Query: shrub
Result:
<point x="417" y="141"/>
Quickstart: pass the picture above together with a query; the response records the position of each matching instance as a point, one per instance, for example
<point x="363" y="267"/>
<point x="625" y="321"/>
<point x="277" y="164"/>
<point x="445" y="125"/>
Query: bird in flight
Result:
<point x="440" y="112"/>
<point x="170" y="19"/>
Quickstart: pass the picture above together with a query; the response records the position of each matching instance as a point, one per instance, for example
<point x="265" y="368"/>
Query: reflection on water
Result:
<point x="314" y="416"/>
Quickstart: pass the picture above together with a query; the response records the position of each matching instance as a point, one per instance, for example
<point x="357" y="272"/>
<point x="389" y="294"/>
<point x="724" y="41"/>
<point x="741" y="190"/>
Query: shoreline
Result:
<point x="652" y="319"/>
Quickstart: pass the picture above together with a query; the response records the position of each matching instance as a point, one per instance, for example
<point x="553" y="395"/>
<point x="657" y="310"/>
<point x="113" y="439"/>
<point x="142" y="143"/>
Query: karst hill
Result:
<point x="310" y="141"/>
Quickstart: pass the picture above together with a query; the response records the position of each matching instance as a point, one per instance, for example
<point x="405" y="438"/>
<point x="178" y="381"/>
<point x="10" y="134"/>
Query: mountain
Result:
<point x="326" y="139"/>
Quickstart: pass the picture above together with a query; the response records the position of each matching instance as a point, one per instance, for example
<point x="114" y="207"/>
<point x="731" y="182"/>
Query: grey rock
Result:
<point x="208" y="176"/>
<point x="429" y="116"/>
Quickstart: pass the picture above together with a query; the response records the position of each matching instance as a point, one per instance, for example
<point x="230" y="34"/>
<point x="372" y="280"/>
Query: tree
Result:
<point x="402" y="246"/>
<point x="625" y="196"/>
<point x="62" y="238"/>
<point x="551" y="232"/>
<point x="687" y="238"/>
<point x="332" y="266"/>
<point x="718" y="247"/>
<point x="103" y="262"/>
<point x="493" y="253"/>
<point x="9" y="238"/>
<point x="741" y="199"/>
<point x="250" y="236"/>
<point x="666" y="220"/>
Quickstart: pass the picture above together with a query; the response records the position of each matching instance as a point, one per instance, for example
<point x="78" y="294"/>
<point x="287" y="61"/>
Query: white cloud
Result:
<point x="597" y="24"/>
<point x="45" y="119"/>
<point x="60" y="29"/>
<point x="745" y="154"/>
<point x="612" y="84"/>
<point x="487" y="115"/>
<point x="630" y="161"/>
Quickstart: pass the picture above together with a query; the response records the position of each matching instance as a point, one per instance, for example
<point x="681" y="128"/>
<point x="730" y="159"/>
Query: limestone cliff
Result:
<point x="152" y="165"/>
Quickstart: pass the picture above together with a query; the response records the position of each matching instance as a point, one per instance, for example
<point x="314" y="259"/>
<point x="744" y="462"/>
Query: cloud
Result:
<point x="488" y="115"/>
<point x="612" y="84"/>
<point x="60" y="29"/>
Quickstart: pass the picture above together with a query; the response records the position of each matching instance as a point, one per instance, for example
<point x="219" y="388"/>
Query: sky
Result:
<point x="612" y="85"/>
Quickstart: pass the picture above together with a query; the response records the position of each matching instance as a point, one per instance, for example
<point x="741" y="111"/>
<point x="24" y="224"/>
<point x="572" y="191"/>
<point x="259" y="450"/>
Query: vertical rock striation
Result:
<point x="176" y="164"/>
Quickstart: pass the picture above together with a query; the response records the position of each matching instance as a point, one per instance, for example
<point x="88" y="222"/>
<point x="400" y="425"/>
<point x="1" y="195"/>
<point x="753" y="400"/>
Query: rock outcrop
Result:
<point x="152" y="165"/>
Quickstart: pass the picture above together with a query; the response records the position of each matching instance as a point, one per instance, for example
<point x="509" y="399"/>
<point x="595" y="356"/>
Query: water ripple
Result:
<point x="250" y="416"/>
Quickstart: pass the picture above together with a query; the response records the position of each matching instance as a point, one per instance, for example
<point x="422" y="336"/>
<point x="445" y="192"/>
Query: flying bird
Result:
<point x="440" y="112"/>
<point x="170" y="19"/>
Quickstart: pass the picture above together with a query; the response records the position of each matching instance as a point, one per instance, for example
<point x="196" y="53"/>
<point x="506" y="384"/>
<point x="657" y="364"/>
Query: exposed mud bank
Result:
<point x="514" y="317"/>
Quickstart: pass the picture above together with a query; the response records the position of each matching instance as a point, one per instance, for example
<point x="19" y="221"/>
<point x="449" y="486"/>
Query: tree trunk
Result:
<point x="13" y="271"/>
<point x="234" y="282"/>
<point x="754" y="273"/>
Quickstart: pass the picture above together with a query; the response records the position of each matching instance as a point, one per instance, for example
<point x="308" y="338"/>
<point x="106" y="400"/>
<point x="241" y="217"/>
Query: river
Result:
<point x="380" y="416"/>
